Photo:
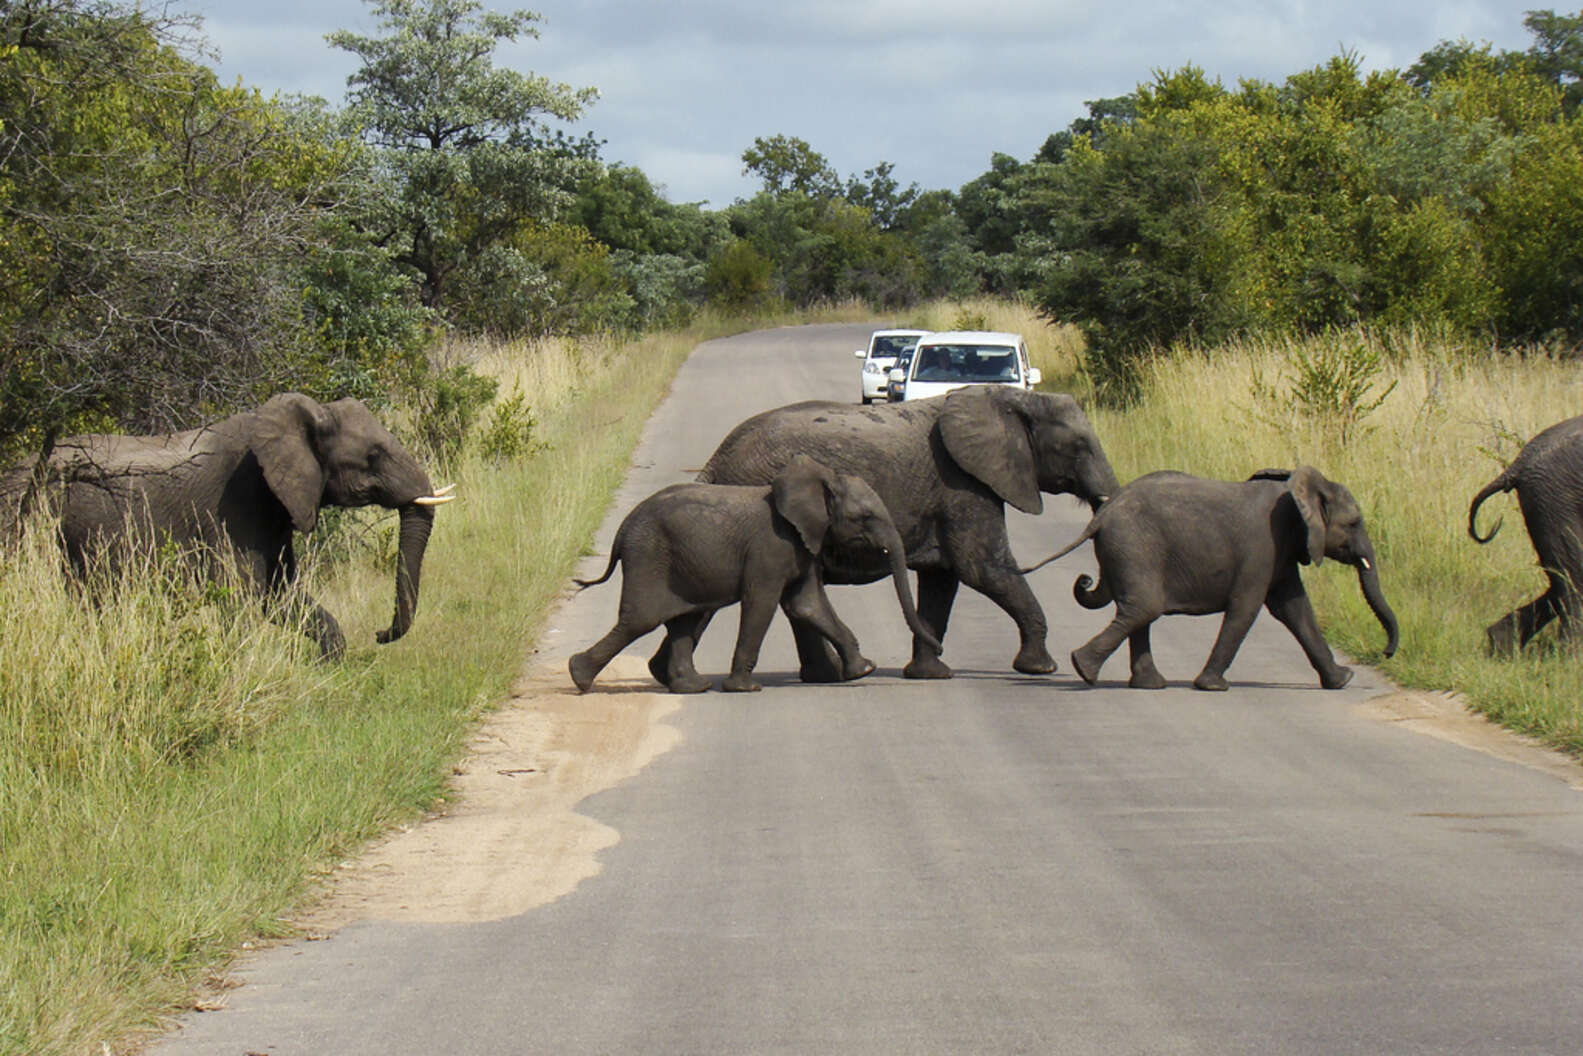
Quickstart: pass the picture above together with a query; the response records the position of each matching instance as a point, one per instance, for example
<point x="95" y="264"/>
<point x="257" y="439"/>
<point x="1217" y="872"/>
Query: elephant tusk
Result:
<point x="1363" y="562"/>
<point x="445" y="490"/>
<point x="434" y="500"/>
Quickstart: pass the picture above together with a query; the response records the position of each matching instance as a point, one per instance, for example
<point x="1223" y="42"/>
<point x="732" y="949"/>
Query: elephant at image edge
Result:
<point x="691" y="549"/>
<point x="243" y="483"/>
<point x="1547" y="475"/>
<point x="945" y="468"/>
<point x="1173" y="543"/>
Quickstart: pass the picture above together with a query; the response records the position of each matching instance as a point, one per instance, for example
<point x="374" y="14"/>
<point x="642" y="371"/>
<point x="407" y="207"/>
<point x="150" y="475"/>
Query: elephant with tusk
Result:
<point x="241" y="486"/>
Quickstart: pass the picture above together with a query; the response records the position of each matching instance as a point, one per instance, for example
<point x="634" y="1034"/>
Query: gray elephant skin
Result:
<point x="945" y="468"/>
<point x="1547" y="475"/>
<point x="691" y="549"/>
<point x="237" y="487"/>
<point x="1173" y="543"/>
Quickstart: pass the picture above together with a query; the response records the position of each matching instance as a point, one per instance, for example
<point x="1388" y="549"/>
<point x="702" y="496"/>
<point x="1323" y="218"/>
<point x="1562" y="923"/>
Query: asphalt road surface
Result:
<point x="995" y="864"/>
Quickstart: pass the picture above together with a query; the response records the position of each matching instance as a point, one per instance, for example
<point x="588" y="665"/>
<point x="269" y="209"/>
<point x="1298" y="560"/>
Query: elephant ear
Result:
<point x="289" y="431"/>
<point x="800" y="493"/>
<point x="1305" y="484"/>
<point x="986" y="432"/>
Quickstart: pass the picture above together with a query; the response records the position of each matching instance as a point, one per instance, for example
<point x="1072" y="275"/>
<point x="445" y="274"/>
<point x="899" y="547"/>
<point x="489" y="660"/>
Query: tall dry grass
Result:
<point x="1448" y="419"/>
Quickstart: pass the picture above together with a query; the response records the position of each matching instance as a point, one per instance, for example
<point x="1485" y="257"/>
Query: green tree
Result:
<point x="470" y="158"/>
<point x="788" y="164"/>
<point x="159" y="228"/>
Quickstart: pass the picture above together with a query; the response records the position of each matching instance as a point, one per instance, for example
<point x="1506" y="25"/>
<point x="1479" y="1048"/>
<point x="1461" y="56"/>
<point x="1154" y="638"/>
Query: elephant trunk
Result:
<point x="1098" y="480"/>
<point x="416" y="523"/>
<point x="1369" y="581"/>
<point x="898" y="574"/>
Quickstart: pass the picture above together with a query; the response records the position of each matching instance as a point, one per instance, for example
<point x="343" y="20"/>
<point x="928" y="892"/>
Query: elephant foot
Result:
<point x="862" y="668"/>
<point x="659" y="666"/>
<point x="583" y="672"/>
<point x="1146" y="680"/>
<point x="821" y="669"/>
<point x="1499" y="639"/>
<point x="1034" y="661"/>
<point x="1085" y="666"/>
<point x="1337" y="678"/>
<point x="930" y="667"/>
<point x="691" y="684"/>
<point x="740" y="684"/>
<point x="1211" y="683"/>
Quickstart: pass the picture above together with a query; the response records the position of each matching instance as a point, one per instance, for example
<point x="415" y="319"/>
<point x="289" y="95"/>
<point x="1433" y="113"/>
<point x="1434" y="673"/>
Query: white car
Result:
<point x="880" y="356"/>
<point x="952" y="359"/>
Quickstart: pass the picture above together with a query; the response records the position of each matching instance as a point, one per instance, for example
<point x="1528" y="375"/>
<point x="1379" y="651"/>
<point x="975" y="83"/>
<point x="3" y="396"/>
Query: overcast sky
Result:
<point x="935" y="88"/>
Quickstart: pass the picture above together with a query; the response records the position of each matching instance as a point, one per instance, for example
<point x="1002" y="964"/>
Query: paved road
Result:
<point x="995" y="864"/>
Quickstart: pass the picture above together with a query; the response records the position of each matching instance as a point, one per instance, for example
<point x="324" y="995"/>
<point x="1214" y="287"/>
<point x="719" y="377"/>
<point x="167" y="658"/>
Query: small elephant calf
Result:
<point x="690" y="549"/>
<point x="1171" y="543"/>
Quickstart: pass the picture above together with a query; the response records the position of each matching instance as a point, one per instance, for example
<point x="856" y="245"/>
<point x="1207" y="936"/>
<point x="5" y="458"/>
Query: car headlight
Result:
<point x="871" y="367"/>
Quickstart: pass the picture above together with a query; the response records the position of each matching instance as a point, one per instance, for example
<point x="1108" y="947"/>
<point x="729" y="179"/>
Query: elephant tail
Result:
<point x="1505" y="482"/>
<point x="1089" y="595"/>
<point x="610" y="568"/>
<point x="1088" y="533"/>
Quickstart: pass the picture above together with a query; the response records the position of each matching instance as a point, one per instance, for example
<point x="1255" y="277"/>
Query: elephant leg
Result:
<point x="807" y="602"/>
<point x="1089" y="657"/>
<point x="681" y="638"/>
<point x="1514" y="630"/>
<point x="1233" y="629"/>
<point x="758" y="609"/>
<point x="1288" y="602"/>
<point x="1144" y="674"/>
<point x="660" y="664"/>
<point x="936" y="592"/>
<point x="996" y="577"/>
<point x="817" y="658"/>
<point x="586" y="665"/>
<point x="323" y="629"/>
<point x="286" y="604"/>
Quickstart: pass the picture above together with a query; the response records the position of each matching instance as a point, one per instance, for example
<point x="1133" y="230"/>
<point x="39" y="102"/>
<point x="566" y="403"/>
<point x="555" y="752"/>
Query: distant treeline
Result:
<point x="175" y="247"/>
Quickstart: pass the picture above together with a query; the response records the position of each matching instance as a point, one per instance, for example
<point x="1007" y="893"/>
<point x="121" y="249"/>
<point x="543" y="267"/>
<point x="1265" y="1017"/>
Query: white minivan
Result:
<point x="880" y="356"/>
<point x="951" y="359"/>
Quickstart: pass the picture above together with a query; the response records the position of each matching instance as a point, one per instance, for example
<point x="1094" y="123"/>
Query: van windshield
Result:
<point x="966" y="363"/>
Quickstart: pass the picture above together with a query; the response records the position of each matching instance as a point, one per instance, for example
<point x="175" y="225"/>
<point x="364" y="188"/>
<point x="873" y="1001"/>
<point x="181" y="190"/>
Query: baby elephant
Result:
<point x="1171" y="543"/>
<point x="690" y="549"/>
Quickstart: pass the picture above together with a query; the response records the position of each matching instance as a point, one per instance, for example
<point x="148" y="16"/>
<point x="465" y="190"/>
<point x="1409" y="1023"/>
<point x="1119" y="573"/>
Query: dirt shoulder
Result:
<point x="509" y="838"/>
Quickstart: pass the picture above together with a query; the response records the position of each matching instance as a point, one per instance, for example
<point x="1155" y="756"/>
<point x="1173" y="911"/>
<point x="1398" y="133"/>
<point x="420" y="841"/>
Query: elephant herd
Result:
<point x="799" y="497"/>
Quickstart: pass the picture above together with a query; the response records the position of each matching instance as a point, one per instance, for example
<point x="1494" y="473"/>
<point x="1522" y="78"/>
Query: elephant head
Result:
<point x="1333" y="528"/>
<point x="827" y="507"/>
<point x="338" y="454"/>
<point x="1021" y="443"/>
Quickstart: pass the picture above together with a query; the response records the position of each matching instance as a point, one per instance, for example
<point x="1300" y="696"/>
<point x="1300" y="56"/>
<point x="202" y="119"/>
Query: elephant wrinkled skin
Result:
<point x="238" y="486"/>
<point x="1547" y="475"/>
<point x="690" y="549"/>
<point x="1173" y="543"/>
<point x="945" y="468"/>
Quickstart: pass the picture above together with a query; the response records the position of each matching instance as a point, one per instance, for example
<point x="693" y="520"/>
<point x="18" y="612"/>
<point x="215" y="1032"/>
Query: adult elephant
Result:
<point x="238" y="487"/>
<point x="945" y="468"/>
<point x="1547" y="475"/>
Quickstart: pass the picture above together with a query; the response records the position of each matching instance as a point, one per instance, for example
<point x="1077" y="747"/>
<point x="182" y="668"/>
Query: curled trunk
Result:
<point x="1369" y="581"/>
<point x="416" y="522"/>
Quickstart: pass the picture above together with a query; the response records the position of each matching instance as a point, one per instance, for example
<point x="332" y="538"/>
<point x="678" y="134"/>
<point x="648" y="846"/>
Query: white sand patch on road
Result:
<point x="509" y="839"/>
